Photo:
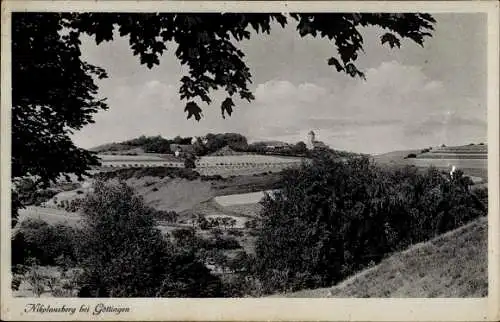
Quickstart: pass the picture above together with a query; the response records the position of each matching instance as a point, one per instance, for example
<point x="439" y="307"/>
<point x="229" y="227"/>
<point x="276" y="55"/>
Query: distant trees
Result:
<point x="158" y="144"/>
<point x="215" y="142"/>
<point x="155" y="144"/>
<point x="181" y="140"/>
<point x="300" y="147"/>
<point x="257" y="147"/>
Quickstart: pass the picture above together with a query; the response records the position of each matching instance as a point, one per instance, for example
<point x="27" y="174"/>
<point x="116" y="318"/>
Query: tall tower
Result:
<point x="310" y="139"/>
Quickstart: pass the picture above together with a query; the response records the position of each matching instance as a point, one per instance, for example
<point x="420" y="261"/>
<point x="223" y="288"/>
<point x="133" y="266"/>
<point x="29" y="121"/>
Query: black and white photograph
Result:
<point x="266" y="154"/>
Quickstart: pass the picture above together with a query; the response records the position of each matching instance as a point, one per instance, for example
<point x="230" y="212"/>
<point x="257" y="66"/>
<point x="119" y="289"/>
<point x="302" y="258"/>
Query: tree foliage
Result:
<point x="334" y="218"/>
<point x="124" y="255"/>
<point x="46" y="243"/>
<point x="217" y="141"/>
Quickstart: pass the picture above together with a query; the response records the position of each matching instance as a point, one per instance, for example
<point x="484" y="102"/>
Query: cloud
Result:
<point x="134" y="110"/>
<point x="397" y="107"/>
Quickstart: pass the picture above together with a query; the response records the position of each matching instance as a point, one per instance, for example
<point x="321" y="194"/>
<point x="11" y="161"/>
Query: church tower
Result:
<point x="311" y="138"/>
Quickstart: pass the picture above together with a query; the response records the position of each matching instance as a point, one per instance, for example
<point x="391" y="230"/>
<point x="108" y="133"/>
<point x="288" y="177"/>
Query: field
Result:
<point x="471" y="159"/>
<point x="224" y="165"/>
<point x="446" y="266"/>
<point x="189" y="198"/>
<point x="50" y="215"/>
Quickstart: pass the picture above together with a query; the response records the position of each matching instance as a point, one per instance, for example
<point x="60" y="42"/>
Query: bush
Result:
<point x="225" y="243"/>
<point x="189" y="163"/>
<point x="411" y="155"/>
<point x="332" y="219"/>
<point x="235" y="232"/>
<point x="169" y="216"/>
<point x="28" y="192"/>
<point x="215" y="177"/>
<point x="43" y="242"/>
<point x="124" y="255"/>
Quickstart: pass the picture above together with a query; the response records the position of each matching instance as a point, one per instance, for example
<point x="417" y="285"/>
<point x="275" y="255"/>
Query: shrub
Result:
<point x="216" y="177"/>
<point x="235" y="232"/>
<point x="43" y="242"/>
<point x="124" y="255"/>
<point x="28" y="192"/>
<point x="222" y="243"/>
<point x="189" y="163"/>
<point x="411" y="155"/>
<point x="334" y="218"/>
<point x="169" y="216"/>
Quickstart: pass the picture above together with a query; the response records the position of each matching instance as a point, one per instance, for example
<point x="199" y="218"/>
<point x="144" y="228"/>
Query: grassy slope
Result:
<point x="397" y="157"/>
<point x="454" y="264"/>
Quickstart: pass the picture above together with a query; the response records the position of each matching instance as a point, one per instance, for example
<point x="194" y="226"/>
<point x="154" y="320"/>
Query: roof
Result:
<point x="276" y="143"/>
<point x="184" y="147"/>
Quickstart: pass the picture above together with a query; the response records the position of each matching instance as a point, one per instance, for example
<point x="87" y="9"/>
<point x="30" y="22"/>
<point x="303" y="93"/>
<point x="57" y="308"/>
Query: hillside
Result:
<point x="116" y="147"/>
<point x="393" y="157"/>
<point x="474" y="151"/>
<point x="454" y="264"/>
<point x="472" y="159"/>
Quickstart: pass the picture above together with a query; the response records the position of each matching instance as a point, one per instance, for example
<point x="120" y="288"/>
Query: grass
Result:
<point x="453" y="155"/>
<point x="466" y="158"/>
<point x="454" y="264"/>
<point x="247" y="183"/>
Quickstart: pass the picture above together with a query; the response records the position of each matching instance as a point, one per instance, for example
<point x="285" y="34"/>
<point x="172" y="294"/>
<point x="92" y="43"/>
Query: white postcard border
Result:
<point x="264" y="308"/>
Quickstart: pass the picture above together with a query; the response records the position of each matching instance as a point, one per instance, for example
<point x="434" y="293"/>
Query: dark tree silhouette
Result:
<point x="54" y="91"/>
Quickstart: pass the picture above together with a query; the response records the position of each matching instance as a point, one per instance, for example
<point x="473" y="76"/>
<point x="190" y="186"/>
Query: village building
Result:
<point x="180" y="149"/>
<point x="276" y="145"/>
<point x="312" y="143"/>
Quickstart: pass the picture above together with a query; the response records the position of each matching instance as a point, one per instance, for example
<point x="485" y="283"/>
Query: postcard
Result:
<point x="250" y="161"/>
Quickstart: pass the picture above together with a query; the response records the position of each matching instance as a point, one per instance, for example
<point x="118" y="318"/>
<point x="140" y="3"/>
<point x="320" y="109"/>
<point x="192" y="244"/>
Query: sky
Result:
<point x="413" y="97"/>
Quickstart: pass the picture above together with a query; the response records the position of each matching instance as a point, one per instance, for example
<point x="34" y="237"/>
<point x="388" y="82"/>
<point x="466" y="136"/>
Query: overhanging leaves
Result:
<point x="206" y="42"/>
<point x="193" y="109"/>
<point x="391" y="39"/>
<point x="227" y="106"/>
